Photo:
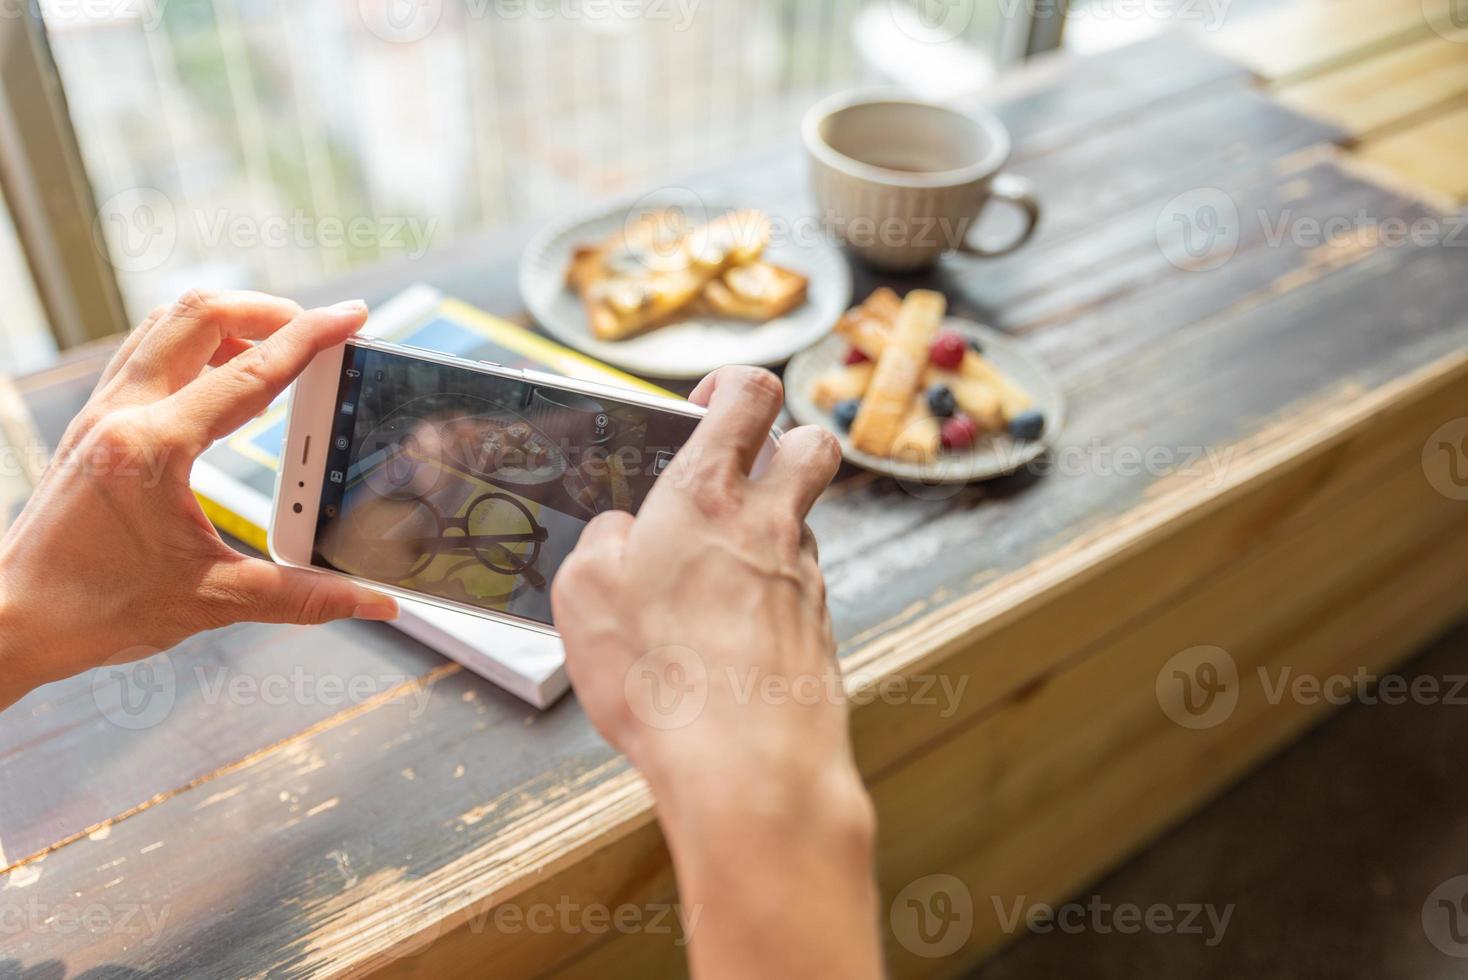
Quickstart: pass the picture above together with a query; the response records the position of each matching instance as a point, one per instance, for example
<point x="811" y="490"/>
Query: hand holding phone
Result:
<point x="112" y="560"/>
<point x="461" y="483"/>
<point x="698" y="641"/>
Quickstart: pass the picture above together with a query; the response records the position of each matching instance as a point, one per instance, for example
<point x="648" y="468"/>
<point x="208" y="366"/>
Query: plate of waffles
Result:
<point x="674" y="287"/>
<point x="916" y="394"/>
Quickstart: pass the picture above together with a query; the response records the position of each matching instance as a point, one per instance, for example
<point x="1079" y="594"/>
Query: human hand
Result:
<point x="113" y="558"/>
<point x="698" y="641"/>
<point x="713" y="588"/>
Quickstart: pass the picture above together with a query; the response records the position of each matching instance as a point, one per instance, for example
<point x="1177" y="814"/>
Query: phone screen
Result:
<point x="472" y="487"/>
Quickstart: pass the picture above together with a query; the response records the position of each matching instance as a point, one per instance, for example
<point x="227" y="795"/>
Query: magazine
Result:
<point x="235" y="480"/>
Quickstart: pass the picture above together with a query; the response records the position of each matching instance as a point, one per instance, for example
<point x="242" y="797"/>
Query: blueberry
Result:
<point x="1027" y="425"/>
<point x="941" y="401"/>
<point x="846" y="412"/>
<point x="975" y="345"/>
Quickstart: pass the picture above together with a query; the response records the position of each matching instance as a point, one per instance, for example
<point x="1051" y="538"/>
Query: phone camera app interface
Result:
<point x="472" y="487"/>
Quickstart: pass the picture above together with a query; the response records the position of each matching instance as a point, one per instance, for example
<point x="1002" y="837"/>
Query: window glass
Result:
<point x="266" y="143"/>
<point x="25" y="338"/>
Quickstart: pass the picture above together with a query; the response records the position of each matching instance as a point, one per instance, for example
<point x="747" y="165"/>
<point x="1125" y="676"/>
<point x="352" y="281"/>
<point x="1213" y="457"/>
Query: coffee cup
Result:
<point x="900" y="180"/>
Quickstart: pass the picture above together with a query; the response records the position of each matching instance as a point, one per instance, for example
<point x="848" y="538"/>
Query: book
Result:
<point x="235" y="480"/>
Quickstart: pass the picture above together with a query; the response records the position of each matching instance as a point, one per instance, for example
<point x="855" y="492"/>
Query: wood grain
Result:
<point x="333" y="830"/>
<point x="1144" y="792"/>
<point x="1072" y="290"/>
<point x="1177" y="147"/>
<point x="230" y="696"/>
<point x="1062" y="96"/>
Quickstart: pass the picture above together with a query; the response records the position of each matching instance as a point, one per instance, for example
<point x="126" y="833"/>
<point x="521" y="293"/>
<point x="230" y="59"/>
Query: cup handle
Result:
<point x="1020" y="193"/>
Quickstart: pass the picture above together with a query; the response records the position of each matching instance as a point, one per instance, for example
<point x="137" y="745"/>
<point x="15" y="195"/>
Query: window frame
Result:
<point x="49" y="192"/>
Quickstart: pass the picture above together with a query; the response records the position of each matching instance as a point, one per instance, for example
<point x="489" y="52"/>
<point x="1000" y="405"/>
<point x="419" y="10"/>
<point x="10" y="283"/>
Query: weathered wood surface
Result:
<point x="296" y="838"/>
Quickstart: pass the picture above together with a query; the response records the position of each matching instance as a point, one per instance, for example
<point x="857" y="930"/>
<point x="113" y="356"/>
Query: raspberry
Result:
<point x="947" y="351"/>
<point x="958" y="433"/>
<point x="854" y="356"/>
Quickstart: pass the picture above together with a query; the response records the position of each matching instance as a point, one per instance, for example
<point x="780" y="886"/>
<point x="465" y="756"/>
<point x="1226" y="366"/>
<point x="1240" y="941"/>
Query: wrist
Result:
<point x="770" y="811"/>
<point x="747" y="860"/>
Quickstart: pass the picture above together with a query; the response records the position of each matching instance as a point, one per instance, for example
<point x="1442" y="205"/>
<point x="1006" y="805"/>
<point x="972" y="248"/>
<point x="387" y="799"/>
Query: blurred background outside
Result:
<point x="271" y="143"/>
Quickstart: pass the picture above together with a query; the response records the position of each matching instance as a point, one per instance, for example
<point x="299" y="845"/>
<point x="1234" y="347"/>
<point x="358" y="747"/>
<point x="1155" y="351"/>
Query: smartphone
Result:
<point x="460" y="483"/>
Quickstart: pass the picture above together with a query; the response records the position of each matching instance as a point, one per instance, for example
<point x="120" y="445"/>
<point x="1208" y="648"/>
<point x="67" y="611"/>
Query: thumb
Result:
<point x="269" y="593"/>
<point x="606" y="533"/>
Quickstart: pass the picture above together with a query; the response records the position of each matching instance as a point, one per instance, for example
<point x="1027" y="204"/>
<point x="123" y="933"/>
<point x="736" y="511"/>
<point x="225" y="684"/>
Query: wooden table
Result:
<point x="1248" y="466"/>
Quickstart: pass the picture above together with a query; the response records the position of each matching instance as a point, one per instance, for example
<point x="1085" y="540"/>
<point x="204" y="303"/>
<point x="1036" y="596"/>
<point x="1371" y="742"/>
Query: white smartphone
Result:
<point x="460" y="483"/>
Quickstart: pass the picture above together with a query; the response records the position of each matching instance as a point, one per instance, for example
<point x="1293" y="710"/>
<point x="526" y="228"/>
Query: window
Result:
<point x="271" y="143"/>
<point x="25" y="338"/>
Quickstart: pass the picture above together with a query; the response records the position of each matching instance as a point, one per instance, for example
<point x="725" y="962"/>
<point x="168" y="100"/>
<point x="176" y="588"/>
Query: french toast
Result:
<point x="657" y="270"/>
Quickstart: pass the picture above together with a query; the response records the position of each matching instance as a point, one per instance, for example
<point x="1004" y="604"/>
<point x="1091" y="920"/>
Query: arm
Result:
<point x="699" y="643"/>
<point x="112" y="560"/>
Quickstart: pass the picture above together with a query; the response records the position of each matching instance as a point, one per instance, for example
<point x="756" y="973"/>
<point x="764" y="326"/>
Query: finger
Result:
<point x="803" y="467"/>
<point x="260" y="592"/>
<point x="581" y="580"/>
<point x="606" y="531"/>
<point x="129" y="345"/>
<point x="186" y="337"/>
<point x="229" y="348"/>
<point x="701" y="391"/>
<point x="743" y="403"/>
<point x="226" y="398"/>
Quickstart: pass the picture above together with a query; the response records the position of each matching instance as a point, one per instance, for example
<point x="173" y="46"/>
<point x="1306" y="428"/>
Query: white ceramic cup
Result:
<point x="900" y="181"/>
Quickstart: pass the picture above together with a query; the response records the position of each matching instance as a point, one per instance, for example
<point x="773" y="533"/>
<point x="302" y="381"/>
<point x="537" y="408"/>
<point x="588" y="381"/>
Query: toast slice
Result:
<point x="647" y="245"/>
<point x="920" y="436"/>
<point x="867" y="327"/>
<point x="978" y="400"/>
<point x="899" y="372"/>
<point x="636" y="279"/>
<point x="977" y="385"/>
<point x="843" y="384"/>
<point x="618" y="308"/>
<point x="655" y="268"/>
<point x="734" y="239"/>
<point x="1012" y="398"/>
<point x="758" y="291"/>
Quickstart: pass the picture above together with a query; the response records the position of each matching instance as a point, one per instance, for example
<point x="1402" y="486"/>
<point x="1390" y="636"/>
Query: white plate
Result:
<point x="694" y="347"/>
<point x="991" y="456"/>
